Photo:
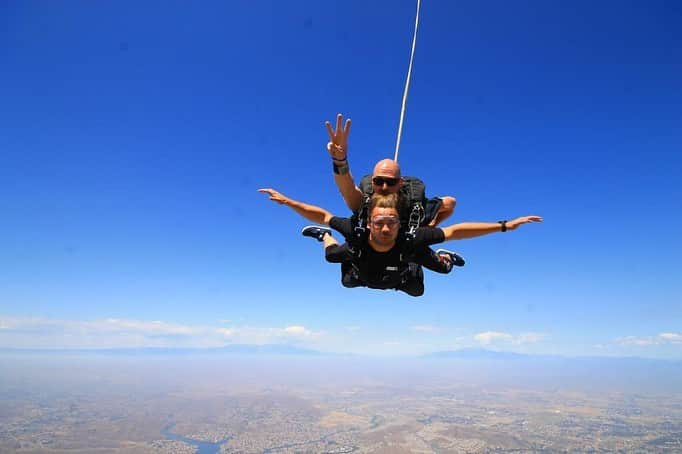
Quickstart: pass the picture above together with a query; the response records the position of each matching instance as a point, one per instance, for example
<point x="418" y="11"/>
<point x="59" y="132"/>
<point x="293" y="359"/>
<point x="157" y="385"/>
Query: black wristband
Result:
<point x="503" y="224"/>
<point x="340" y="169"/>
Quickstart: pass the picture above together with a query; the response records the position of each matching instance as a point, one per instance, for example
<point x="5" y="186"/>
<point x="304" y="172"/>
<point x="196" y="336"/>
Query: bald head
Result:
<point x="386" y="177"/>
<point x="387" y="168"/>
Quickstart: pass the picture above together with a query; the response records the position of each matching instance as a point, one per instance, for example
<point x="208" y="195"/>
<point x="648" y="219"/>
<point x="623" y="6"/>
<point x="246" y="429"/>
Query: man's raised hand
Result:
<point x="338" y="139"/>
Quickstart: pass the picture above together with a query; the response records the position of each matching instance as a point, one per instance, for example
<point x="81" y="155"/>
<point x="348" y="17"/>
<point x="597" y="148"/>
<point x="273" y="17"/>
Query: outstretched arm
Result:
<point x="473" y="229"/>
<point x="311" y="212"/>
<point x="338" y="148"/>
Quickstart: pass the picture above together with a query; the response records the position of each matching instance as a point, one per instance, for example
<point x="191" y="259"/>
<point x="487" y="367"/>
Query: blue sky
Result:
<point x="134" y="136"/>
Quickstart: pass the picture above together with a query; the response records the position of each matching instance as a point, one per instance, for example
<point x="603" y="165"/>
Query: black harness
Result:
<point x="355" y="273"/>
<point x="407" y="274"/>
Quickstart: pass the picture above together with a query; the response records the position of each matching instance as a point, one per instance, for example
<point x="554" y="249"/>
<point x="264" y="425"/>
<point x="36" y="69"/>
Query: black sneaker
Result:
<point x="316" y="231"/>
<point x="455" y="259"/>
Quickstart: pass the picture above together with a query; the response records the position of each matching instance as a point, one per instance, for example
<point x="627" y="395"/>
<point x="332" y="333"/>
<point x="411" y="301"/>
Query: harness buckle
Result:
<point x="417" y="215"/>
<point x="359" y="231"/>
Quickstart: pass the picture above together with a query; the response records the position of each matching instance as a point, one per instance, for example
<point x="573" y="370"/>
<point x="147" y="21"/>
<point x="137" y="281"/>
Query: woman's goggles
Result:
<point x="380" y="221"/>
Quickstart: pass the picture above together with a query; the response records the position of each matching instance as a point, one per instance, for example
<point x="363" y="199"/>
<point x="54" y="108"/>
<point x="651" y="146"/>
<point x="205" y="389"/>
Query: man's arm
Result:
<point x="473" y="229"/>
<point x="338" y="147"/>
<point x="311" y="212"/>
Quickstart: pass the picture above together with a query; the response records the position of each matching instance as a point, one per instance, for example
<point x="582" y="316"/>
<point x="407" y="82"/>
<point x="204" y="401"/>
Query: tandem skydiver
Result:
<point x="414" y="208"/>
<point x="387" y="257"/>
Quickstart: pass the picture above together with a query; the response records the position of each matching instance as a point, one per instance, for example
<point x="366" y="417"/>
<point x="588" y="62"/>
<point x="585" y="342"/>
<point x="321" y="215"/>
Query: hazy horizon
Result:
<point x="279" y="404"/>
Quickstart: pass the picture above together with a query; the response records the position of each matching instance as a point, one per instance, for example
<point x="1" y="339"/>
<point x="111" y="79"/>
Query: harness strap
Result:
<point x="416" y="217"/>
<point x="360" y="229"/>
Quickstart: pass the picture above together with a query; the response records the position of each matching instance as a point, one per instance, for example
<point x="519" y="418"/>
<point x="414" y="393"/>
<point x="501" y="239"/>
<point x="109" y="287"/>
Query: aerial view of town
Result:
<point x="124" y="410"/>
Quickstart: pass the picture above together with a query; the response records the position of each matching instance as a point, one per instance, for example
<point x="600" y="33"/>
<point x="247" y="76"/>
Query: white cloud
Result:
<point x="152" y="328"/>
<point x="425" y="328"/>
<point x="633" y="340"/>
<point x="300" y="332"/>
<point x="646" y="341"/>
<point x="490" y="337"/>
<point x="391" y="343"/>
<point x="34" y="332"/>
<point x="673" y="338"/>
<point x="495" y="337"/>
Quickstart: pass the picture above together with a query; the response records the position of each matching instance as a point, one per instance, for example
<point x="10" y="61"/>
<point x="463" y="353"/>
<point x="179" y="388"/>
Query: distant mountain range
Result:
<point x="475" y="353"/>
<point x="482" y="354"/>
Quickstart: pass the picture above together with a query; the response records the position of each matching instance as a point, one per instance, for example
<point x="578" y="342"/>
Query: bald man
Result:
<point x="385" y="179"/>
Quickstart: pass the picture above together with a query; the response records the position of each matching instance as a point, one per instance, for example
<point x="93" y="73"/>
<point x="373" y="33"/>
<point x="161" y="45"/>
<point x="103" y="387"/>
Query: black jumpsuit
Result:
<point x="384" y="270"/>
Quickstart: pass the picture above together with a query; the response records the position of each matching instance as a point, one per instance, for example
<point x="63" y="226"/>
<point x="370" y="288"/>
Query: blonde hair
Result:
<point x="383" y="201"/>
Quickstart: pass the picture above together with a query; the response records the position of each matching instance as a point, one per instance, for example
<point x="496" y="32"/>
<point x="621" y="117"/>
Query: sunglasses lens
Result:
<point x="379" y="181"/>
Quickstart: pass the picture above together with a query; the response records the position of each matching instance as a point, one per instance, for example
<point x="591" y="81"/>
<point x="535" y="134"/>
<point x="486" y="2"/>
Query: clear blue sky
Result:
<point x="133" y="137"/>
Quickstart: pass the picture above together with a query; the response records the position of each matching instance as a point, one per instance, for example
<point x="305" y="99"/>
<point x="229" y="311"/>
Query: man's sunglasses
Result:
<point x="379" y="181"/>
